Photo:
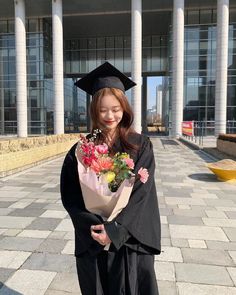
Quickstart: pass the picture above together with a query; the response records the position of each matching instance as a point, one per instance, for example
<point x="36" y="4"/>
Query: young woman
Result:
<point x="134" y="235"/>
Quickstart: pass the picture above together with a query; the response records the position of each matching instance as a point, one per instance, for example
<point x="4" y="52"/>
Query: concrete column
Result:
<point x="2" y="113"/>
<point x="89" y="120"/>
<point x="58" y="80"/>
<point x="178" y="68"/>
<point x="221" y="66"/>
<point x="21" y="77"/>
<point x="136" y="61"/>
<point x="159" y="96"/>
<point x="144" y="105"/>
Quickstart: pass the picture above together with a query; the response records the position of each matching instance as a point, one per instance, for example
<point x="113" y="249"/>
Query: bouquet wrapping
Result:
<point x="98" y="198"/>
<point x="106" y="181"/>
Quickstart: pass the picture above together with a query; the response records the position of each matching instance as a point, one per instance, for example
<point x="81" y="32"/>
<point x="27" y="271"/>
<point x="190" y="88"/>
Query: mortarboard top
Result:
<point x="104" y="76"/>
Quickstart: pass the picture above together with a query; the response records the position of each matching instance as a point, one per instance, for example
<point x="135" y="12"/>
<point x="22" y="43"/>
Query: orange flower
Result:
<point x="106" y="163"/>
<point x="95" y="166"/>
<point x="103" y="163"/>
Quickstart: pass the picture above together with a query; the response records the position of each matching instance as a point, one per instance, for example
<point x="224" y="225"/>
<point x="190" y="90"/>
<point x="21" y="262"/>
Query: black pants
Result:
<point x="125" y="272"/>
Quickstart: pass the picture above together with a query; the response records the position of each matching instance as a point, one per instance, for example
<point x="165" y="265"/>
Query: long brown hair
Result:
<point x="125" y="125"/>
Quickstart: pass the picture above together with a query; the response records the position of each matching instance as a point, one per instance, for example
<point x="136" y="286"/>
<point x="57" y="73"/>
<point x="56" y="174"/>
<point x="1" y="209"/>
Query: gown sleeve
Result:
<point x="117" y="233"/>
<point x="140" y="217"/>
<point x="72" y="200"/>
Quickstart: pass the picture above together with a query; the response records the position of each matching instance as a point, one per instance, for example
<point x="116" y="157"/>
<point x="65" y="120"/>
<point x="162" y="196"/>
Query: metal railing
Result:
<point x="35" y="127"/>
<point x="231" y="127"/>
<point x="206" y="129"/>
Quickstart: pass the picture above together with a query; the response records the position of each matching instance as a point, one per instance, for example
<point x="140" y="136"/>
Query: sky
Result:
<point x="152" y="84"/>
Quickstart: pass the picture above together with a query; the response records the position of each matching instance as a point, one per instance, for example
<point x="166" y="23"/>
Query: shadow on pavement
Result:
<point x="4" y="290"/>
<point x="168" y="141"/>
<point x="208" y="177"/>
<point x="207" y="158"/>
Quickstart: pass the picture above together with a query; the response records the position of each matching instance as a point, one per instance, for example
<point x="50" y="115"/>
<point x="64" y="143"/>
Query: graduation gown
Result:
<point x="127" y="268"/>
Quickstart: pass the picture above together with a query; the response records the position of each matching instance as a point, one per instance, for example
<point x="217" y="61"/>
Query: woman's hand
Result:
<point x="102" y="237"/>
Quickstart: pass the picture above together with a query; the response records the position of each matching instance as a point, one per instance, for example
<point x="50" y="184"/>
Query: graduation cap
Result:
<point x="104" y="76"/>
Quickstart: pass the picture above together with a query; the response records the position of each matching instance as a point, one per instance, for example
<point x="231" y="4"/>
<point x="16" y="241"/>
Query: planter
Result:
<point x="224" y="170"/>
<point x="19" y="154"/>
<point x="227" y="147"/>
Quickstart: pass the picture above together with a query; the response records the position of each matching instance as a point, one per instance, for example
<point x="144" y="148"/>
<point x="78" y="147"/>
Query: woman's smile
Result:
<point x="109" y="122"/>
<point x="111" y="111"/>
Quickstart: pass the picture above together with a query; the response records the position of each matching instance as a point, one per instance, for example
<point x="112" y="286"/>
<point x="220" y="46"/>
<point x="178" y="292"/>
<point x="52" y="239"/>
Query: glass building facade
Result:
<point x="200" y="68"/>
<point x="39" y="77"/>
<point x="83" y="54"/>
<point x="200" y="36"/>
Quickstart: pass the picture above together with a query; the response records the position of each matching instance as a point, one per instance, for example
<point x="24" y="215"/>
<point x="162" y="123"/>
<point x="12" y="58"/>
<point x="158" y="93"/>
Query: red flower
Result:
<point x="87" y="160"/>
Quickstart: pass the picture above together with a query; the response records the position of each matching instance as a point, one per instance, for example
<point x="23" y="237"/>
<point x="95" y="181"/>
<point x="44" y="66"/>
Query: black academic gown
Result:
<point x="127" y="268"/>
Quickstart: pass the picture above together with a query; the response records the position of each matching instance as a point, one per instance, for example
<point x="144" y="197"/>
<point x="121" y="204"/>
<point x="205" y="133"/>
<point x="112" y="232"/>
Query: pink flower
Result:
<point x="101" y="148"/>
<point x="143" y="173"/>
<point x="129" y="162"/>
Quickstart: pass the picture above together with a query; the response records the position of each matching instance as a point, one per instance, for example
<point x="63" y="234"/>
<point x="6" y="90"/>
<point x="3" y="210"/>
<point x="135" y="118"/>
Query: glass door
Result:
<point x="154" y="104"/>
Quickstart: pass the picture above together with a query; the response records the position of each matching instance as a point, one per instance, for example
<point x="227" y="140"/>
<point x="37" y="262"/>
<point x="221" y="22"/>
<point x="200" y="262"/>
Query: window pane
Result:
<point x="205" y="47"/>
<point x="192" y="34"/>
<point x="231" y="95"/>
<point x="110" y="42"/>
<point x="3" y="26"/>
<point x="191" y="94"/>
<point x="231" y="115"/>
<point x="194" y="113"/>
<point x="205" y="16"/>
<point x="193" y="17"/>
<point x="211" y="95"/>
<point x="100" y="43"/>
<point x="156" y="41"/>
<point x="33" y="25"/>
<point x="192" y="62"/>
<point x="11" y="26"/>
<point x="214" y="16"/>
<point x="232" y="15"/>
<point x="192" y="47"/>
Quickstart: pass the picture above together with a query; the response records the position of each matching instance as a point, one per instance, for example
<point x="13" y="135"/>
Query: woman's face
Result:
<point x="110" y="112"/>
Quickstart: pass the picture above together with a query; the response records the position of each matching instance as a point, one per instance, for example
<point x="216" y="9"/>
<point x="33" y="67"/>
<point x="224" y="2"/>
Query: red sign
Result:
<point x="188" y="128"/>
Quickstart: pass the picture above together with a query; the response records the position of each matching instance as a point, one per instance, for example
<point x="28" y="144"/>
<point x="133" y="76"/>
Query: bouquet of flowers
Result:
<point x="106" y="181"/>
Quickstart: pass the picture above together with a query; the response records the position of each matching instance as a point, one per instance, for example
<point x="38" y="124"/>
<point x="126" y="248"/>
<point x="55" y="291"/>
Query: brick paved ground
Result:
<point x="198" y="215"/>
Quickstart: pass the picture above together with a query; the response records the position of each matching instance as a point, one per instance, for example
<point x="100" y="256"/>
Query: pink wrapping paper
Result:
<point x="98" y="198"/>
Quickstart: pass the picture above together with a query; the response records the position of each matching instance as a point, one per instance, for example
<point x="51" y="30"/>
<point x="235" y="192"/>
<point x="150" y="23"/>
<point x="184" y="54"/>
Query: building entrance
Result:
<point x="154" y="105"/>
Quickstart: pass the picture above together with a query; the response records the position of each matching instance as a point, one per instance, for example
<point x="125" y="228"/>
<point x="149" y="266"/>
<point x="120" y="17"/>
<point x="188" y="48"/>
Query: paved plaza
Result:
<point x="198" y="215"/>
